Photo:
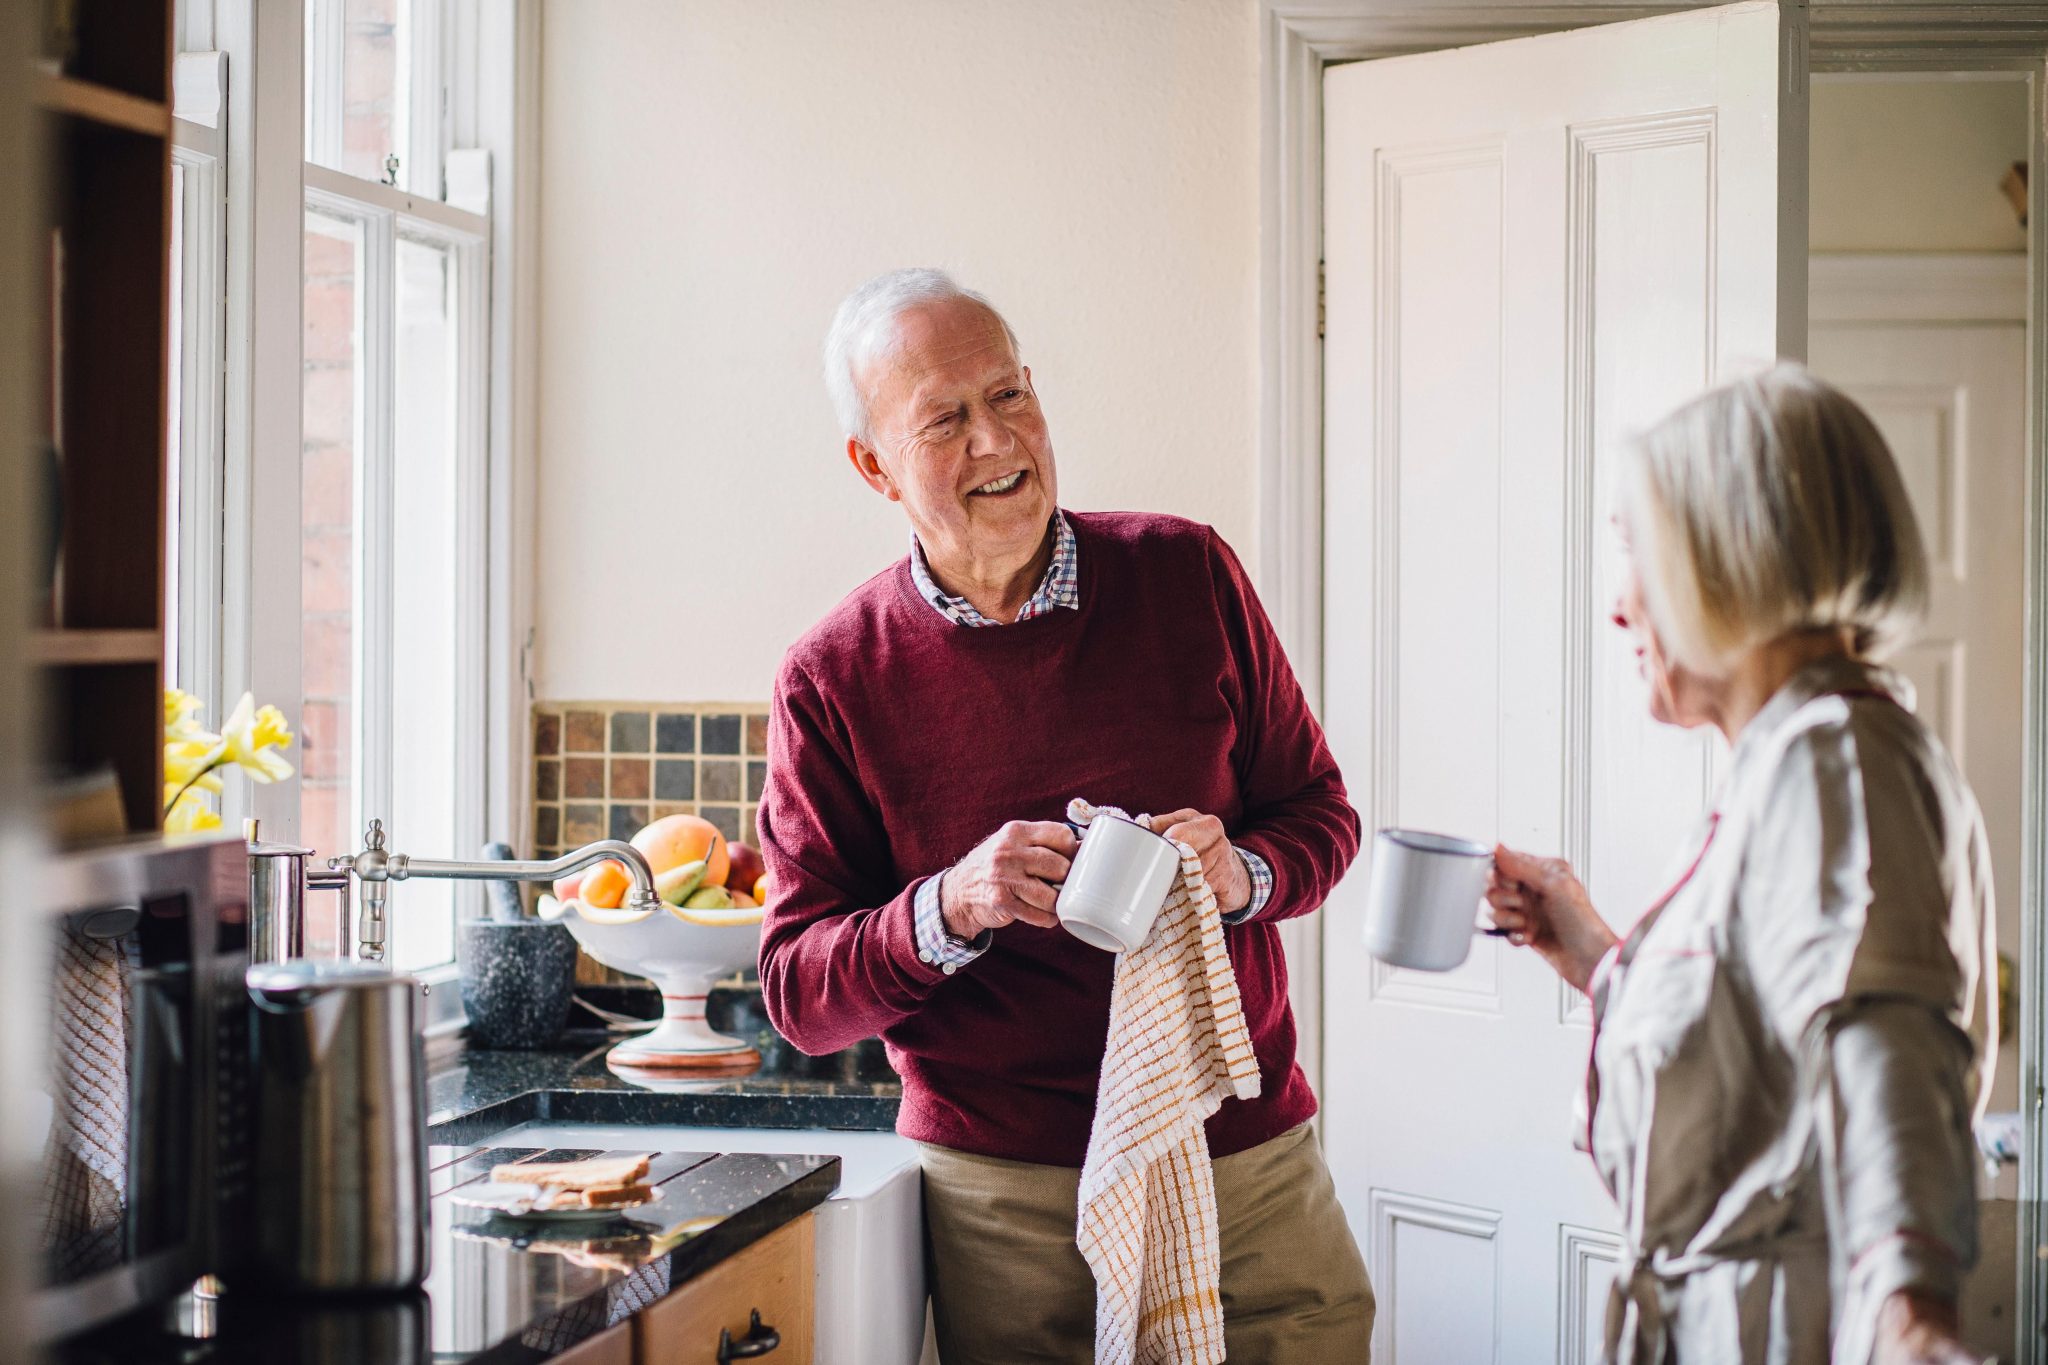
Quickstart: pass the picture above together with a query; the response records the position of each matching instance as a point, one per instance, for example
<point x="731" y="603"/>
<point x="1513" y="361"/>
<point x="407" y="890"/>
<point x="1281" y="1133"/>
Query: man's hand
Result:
<point x="1223" y="869"/>
<point x="1014" y="874"/>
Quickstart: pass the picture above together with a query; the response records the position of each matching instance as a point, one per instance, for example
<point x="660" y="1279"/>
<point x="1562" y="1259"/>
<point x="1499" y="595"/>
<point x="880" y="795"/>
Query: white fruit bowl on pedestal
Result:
<point x="684" y="953"/>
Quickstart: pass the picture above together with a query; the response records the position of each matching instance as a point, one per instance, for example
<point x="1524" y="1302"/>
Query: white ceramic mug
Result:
<point x="1118" y="884"/>
<point x="1423" y="904"/>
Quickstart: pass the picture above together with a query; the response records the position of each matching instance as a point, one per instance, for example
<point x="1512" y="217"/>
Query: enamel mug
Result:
<point x="1422" y="907"/>
<point x="1118" y="883"/>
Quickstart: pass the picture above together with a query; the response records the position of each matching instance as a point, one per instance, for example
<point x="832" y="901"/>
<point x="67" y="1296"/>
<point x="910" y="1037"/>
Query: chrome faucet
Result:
<point x="377" y="869"/>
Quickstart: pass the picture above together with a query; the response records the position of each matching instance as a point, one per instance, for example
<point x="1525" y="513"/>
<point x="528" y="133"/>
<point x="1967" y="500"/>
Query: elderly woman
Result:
<point x="1792" y="1043"/>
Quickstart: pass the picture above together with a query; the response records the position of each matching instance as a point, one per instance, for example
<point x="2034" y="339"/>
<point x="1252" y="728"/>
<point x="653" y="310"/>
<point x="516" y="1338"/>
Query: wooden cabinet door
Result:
<point x="774" y="1277"/>
<point x="613" y="1346"/>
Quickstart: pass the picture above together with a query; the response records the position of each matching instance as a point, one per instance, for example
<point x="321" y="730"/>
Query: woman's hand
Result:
<point x="1913" y="1329"/>
<point x="1542" y="905"/>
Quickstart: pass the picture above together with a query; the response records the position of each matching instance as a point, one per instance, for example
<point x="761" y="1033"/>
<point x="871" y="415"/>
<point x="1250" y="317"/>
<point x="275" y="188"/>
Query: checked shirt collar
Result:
<point x="1061" y="586"/>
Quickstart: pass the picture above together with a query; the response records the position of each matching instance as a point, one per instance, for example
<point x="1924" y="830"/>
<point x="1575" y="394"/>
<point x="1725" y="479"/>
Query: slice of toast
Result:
<point x="620" y="1194"/>
<point x="596" y="1173"/>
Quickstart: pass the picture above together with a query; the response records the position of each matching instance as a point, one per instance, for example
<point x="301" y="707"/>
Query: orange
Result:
<point x="604" y="886"/>
<point x="760" y="892"/>
<point x="677" y="839"/>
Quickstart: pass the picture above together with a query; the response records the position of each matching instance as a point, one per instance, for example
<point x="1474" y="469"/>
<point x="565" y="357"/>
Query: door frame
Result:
<point x="1297" y="39"/>
<point x="1917" y="286"/>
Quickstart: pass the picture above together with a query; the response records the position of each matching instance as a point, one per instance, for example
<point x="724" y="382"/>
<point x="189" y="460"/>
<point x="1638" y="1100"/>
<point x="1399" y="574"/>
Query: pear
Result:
<point x="676" y="884"/>
<point x="709" y="898"/>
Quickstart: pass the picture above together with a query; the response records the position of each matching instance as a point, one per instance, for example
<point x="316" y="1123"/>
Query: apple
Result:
<point x="746" y="868"/>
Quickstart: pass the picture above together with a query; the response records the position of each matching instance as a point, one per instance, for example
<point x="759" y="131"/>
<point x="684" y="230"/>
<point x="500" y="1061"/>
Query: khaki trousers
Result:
<point x="1009" y="1286"/>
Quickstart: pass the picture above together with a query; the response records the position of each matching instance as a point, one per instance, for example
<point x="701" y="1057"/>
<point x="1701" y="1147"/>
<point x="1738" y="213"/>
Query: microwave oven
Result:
<point x="144" y="1105"/>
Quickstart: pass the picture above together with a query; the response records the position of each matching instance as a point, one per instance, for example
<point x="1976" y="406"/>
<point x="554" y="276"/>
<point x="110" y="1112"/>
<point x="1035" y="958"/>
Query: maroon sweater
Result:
<point x="900" y="740"/>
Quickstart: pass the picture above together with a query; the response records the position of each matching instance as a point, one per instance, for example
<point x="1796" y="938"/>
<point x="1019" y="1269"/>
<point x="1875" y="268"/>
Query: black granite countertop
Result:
<point x="502" y="1291"/>
<point x="511" y="1292"/>
<point x="476" y="1093"/>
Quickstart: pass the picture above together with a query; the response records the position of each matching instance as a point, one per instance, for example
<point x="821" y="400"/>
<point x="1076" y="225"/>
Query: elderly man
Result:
<point x="926" y="737"/>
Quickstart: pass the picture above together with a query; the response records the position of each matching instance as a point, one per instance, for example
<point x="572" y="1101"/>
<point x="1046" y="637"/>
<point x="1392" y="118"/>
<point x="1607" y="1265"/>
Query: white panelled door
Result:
<point x="1951" y="400"/>
<point x="1533" y="247"/>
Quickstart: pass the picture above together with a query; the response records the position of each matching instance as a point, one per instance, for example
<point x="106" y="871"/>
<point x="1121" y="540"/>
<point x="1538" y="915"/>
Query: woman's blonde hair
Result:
<point x="1770" y="505"/>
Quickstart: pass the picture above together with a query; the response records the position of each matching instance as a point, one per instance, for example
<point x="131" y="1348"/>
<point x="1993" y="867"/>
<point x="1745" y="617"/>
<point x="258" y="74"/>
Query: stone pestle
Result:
<point x="505" y="900"/>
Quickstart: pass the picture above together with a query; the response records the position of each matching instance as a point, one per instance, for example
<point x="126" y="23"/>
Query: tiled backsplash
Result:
<point x="604" y="769"/>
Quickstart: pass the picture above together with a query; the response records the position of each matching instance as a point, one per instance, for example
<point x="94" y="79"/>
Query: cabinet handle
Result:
<point x="759" y="1341"/>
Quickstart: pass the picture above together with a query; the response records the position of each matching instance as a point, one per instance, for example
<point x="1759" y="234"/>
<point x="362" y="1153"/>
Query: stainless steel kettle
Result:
<point x="341" y="1137"/>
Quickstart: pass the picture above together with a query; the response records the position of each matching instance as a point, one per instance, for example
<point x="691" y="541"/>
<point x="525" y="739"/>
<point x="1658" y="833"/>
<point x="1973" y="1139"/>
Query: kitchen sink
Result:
<point x="870" y="1244"/>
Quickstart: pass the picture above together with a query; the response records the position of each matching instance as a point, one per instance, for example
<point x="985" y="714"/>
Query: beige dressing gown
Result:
<point x="1791" y="1046"/>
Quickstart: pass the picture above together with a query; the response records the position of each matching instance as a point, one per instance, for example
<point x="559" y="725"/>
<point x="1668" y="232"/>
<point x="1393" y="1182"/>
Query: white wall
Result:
<point x="1914" y="165"/>
<point x="717" y="174"/>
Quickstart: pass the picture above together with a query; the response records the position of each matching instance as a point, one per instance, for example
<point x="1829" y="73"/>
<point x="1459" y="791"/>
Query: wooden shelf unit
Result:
<point x="90" y="647"/>
<point x="104" y="259"/>
<point x="98" y="104"/>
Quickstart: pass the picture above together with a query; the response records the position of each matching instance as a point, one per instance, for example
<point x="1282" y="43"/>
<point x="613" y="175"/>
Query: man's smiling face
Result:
<point x="958" y="436"/>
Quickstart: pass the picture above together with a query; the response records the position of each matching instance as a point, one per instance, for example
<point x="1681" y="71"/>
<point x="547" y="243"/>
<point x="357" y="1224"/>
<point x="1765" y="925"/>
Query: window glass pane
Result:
<point x="329" y="461"/>
<point x="426" y="592"/>
<point x="359" y="85"/>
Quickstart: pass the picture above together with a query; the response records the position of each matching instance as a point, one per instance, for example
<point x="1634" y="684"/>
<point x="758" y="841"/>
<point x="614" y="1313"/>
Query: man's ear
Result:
<point x="869" y="467"/>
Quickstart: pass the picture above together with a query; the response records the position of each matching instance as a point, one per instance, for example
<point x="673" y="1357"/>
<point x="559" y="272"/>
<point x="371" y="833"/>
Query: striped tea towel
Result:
<point x="1178" y="1047"/>
<point x="83" y="1197"/>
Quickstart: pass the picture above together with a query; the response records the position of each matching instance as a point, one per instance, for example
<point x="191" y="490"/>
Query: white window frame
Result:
<point x="323" y="84"/>
<point x="423" y="48"/>
<point x="487" y="54"/>
<point x="199" y="149"/>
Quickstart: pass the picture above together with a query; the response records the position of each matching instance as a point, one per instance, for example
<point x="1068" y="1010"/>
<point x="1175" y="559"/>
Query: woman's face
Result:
<point x="1677" y="695"/>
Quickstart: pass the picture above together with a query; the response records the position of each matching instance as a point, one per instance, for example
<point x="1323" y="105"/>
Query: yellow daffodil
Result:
<point x="187" y="813"/>
<point x="190" y="762"/>
<point x="251" y="738"/>
<point x="181" y="716"/>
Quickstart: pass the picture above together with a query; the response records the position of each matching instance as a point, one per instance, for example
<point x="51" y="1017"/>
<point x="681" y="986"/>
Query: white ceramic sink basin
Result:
<point x="870" y="1289"/>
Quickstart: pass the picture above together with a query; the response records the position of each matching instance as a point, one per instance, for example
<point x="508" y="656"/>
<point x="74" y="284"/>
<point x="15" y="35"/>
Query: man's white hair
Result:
<point x="864" y="330"/>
